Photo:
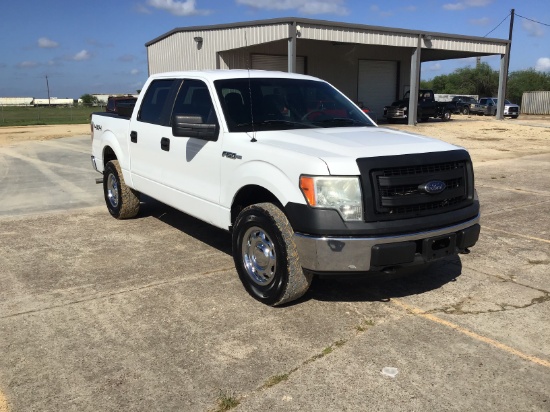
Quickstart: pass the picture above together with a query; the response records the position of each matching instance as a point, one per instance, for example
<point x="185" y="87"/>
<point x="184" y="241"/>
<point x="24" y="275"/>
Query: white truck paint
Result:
<point x="294" y="169"/>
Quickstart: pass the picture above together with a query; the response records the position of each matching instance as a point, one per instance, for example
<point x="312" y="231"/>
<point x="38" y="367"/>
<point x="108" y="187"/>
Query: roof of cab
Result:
<point x="232" y="74"/>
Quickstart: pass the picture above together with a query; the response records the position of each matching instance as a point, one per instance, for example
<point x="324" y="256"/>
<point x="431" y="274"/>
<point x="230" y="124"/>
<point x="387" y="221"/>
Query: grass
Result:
<point x="31" y="116"/>
<point x="227" y="401"/>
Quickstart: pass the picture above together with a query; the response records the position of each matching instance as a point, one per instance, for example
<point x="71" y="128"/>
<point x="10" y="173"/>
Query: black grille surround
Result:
<point x="395" y="207"/>
<point x="392" y="185"/>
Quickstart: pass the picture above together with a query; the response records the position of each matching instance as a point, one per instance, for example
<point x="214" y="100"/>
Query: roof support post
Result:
<point x="415" y="80"/>
<point x="292" y="47"/>
<point x="502" y="80"/>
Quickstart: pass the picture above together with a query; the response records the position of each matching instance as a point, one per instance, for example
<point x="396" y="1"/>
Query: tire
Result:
<point x="465" y="111"/>
<point x="266" y="257"/>
<point x="514" y="117"/>
<point x="121" y="200"/>
<point x="446" y="116"/>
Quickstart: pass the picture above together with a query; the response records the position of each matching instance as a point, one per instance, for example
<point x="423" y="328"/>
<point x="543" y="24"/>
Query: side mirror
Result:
<point x="191" y="125"/>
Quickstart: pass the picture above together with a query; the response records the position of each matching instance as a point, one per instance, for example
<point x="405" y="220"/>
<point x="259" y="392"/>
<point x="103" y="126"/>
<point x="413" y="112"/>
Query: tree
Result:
<point x="89" y="100"/>
<point x="483" y="81"/>
<point x="526" y="81"/>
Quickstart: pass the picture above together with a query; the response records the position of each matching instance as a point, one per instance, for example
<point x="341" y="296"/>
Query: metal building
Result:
<point x="372" y="65"/>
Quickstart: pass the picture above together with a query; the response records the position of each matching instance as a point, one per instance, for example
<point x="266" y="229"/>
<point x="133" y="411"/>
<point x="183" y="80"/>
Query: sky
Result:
<point x="98" y="47"/>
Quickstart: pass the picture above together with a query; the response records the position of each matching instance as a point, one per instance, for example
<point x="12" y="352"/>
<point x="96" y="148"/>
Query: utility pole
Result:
<point x="504" y="67"/>
<point x="512" y="13"/>
<point x="48" y="86"/>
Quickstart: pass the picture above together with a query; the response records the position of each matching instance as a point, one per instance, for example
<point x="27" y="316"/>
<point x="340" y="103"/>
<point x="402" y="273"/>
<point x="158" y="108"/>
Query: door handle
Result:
<point x="165" y="144"/>
<point x="133" y="136"/>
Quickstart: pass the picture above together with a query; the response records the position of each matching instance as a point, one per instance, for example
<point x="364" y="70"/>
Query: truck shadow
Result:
<point x="382" y="289"/>
<point x="205" y="233"/>
<point x="362" y="288"/>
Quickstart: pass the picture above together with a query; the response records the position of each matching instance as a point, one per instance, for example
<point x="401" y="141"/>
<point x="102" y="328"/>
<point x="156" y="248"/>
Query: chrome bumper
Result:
<point x="94" y="163"/>
<point x="353" y="254"/>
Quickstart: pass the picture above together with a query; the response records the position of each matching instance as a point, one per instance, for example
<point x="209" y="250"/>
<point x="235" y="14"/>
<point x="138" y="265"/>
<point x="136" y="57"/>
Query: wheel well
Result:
<point x="250" y="195"/>
<point x="108" y="155"/>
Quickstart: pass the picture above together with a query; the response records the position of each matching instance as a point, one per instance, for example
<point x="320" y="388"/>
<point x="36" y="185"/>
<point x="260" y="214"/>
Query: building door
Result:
<point x="278" y="63"/>
<point x="377" y="84"/>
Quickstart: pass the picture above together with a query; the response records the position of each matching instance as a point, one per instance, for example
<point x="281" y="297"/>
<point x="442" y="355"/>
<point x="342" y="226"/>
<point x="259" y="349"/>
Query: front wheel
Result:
<point x="121" y="200"/>
<point x="266" y="257"/>
<point x="465" y="111"/>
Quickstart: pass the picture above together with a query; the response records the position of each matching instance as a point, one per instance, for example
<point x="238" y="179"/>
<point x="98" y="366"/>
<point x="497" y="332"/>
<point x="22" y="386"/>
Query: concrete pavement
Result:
<point x="149" y="314"/>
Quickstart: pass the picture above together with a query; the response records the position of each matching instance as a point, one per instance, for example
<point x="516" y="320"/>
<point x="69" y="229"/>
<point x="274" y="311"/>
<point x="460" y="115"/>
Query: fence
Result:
<point x="535" y="102"/>
<point x="24" y="116"/>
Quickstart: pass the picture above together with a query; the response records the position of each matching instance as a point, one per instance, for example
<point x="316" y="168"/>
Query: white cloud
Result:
<point x="543" y="64"/>
<point x="134" y="71"/>
<point x="533" y="29"/>
<point x="177" y="8"/>
<point x="435" y="67"/>
<point x="303" y="6"/>
<point x="461" y="5"/>
<point x="82" y="55"/>
<point x="483" y="21"/>
<point x="46" y="43"/>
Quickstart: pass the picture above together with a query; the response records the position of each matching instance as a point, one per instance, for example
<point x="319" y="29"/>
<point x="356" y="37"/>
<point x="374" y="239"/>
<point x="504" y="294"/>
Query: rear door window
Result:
<point x="155" y="106"/>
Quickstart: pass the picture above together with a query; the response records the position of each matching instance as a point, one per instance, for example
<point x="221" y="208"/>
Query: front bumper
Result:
<point x="369" y="254"/>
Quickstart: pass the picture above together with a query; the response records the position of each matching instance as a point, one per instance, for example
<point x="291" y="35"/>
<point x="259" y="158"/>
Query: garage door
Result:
<point x="279" y="63"/>
<point x="377" y="84"/>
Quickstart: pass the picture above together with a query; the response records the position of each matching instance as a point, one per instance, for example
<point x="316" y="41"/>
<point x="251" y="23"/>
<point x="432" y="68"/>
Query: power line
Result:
<point x="534" y="21"/>
<point x="498" y="25"/>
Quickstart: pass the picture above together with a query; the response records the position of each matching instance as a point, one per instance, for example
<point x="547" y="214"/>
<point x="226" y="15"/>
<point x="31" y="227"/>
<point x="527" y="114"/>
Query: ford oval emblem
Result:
<point x="433" y="187"/>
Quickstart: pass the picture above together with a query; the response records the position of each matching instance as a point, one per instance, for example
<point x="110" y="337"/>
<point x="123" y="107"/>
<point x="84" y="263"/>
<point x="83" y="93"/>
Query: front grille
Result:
<point x="393" y="111"/>
<point x="513" y="110"/>
<point x="398" y="191"/>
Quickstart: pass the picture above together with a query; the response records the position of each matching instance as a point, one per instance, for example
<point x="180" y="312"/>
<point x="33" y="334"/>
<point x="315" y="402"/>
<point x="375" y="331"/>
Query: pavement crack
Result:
<point x="109" y="295"/>
<point x="274" y="380"/>
<point x="457" y="309"/>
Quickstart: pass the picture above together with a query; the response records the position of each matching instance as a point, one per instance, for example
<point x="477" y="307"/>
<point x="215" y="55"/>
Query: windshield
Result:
<point x="506" y="101"/>
<point x="281" y="104"/>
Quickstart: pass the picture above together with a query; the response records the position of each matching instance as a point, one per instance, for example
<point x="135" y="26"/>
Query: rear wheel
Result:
<point x="121" y="200"/>
<point x="266" y="257"/>
<point x="446" y="115"/>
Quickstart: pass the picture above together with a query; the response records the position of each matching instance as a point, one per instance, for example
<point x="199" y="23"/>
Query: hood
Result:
<point x="340" y="147"/>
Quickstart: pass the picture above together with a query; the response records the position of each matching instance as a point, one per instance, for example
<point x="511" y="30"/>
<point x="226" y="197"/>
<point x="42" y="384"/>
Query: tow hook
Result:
<point x="99" y="180"/>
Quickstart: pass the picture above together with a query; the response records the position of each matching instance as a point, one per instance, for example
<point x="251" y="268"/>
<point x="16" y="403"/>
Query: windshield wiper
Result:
<point x="277" y="122"/>
<point x="341" y="121"/>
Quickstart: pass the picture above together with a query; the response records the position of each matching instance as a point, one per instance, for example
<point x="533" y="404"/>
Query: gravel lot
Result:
<point x="149" y="314"/>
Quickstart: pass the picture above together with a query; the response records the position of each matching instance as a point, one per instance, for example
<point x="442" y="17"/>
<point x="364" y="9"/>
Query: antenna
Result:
<point x="253" y="140"/>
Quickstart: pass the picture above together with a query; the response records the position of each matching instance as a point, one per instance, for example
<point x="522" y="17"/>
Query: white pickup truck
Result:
<point x="303" y="179"/>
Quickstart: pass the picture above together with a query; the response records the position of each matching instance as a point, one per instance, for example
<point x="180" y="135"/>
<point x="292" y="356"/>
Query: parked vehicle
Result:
<point x="303" y="179"/>
<point x="488" y="106"/>
<point x="461" y="104"/>
<point x="122" y="105"/>
<point x="427" y="107"/>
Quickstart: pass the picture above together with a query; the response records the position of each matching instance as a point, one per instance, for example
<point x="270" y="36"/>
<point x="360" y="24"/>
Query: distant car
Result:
<point x="461" y="104"/>
<point x="488" y="106"/>
<point x="122" y="105"/>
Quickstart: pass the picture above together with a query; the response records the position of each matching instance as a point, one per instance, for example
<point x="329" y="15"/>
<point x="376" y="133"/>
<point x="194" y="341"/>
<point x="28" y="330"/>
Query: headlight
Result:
<point x="340" y="193"/>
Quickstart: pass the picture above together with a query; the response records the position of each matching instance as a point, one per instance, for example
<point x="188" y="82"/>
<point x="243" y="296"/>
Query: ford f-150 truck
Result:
<point x="427" y="107"/>
<point x="303" y="179"/>
<point x="488" y="106"/>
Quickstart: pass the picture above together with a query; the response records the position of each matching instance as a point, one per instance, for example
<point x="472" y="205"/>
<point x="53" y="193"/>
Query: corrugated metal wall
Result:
<point x="535" y="102"/>
<point x="181" y="52"/>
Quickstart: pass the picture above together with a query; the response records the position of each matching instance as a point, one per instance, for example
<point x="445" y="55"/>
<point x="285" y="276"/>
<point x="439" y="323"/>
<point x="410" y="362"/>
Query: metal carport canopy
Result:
<point x="423" y="45"/>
